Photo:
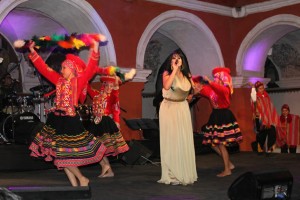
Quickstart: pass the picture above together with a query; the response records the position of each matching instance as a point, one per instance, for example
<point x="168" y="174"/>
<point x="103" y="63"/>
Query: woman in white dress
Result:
<point x="177" y="153"/>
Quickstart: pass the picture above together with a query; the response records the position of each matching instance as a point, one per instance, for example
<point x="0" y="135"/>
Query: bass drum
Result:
<point x="3" y="116"/>
<point x="21" y="128"/>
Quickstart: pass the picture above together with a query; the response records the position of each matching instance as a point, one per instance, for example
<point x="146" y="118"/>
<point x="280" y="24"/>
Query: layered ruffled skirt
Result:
<point x="222" y="128"/>
<point x="64" y="140"/>
<point x="110" y="135"/>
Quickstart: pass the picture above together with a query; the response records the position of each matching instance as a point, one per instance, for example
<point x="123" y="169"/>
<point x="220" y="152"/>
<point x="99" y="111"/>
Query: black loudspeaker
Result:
<point x="276" y="184"/>
<point x="137" y="153"/>
<point x="52" y="193"/>
<point x="150" y="128"/>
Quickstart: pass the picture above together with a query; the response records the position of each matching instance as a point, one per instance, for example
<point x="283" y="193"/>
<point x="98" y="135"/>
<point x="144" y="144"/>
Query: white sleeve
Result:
<point x="253" y="94"/>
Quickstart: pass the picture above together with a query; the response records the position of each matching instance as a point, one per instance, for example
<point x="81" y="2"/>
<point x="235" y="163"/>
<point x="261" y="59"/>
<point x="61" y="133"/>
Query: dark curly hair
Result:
<point x="185" y="66"/>
<point x="166" y="66"/>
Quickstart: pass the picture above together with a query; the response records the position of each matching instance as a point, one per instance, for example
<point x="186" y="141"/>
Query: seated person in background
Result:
<point x="8" y="88"/>
<point x="288" y="136"/>
<point x="265" y="117"/>
<point x="10" y="85"/>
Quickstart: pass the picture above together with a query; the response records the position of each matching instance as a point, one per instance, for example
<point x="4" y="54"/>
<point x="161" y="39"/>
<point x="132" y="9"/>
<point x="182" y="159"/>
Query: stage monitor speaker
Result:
<point x="268" y="185"/>
<point x="52" y="193"/>
<point x="6" y="194"/>
<point x="137" y="153"/>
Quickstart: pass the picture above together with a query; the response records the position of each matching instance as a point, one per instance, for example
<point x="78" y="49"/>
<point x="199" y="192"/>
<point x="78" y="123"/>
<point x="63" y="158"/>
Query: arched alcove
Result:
<point x="24" y="19"/>
<point x="259" y="45"/>
<point x="255" y="47"/>
<point x="177" y="29"/>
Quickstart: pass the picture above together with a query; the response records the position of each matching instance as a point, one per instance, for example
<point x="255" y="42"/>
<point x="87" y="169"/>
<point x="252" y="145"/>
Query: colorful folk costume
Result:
<point x="265" y="118"/>
<point x="106" y="114"/>
<point x="106" y="111"/>
<point x="288" y="136"/>
<point x="63" y="138"/>
<point x="222" y="127"/>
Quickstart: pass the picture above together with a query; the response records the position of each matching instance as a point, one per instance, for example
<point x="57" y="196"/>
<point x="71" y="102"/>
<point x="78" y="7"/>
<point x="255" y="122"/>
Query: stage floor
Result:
<point x="137" y="182"/>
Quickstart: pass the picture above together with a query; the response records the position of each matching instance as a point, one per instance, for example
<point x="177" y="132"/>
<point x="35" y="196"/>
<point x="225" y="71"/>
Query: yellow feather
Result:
<point x="78" y="43"/>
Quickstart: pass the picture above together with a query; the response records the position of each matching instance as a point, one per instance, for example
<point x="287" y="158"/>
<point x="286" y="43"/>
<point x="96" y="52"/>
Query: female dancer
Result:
<point x="63" y="138"/>
<point x="222" y="127"/>
<point x="106" y="123"/>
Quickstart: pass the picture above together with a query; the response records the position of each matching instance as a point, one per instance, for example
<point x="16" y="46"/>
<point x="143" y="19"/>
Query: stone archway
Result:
<point x="178" y="29"/>
<point x="54" y="17"/>
<point x="25" y="18"/>
<point x="254" y="49"/>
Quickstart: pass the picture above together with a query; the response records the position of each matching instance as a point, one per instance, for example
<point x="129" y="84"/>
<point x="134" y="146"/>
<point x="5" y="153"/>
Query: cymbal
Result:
<point x="24" y="94"/>
<point x="39" y="88"/>
<point x="10" y="96"/>
<point x="40" y="100"/>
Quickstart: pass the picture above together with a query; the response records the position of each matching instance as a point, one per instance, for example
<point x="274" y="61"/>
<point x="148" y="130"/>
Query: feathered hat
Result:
<point x="110" y="79"/>
<point x="73" y="41"/>
<point x="223" y="73"/>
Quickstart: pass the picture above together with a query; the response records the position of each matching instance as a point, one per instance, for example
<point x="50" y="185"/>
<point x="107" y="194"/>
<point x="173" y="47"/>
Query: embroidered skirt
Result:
<point x="222" y="128"/>
<point x="64" y="140"/>
<point x="110" y="135"/>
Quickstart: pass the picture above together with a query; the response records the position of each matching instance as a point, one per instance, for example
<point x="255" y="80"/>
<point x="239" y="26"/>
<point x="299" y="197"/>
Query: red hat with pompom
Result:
<point x="223" y="73"/>
<point x="75" y="63"/>
<point x="221" y="69"/>
<point x="258" y="84"/>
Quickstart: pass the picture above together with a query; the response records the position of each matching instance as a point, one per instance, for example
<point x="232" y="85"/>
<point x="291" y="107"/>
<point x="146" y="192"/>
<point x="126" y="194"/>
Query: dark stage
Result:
<point x="138" y="181"/>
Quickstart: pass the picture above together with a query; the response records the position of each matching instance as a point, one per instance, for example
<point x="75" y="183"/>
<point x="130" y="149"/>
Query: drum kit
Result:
<point x="21" y="114"/>
<point x="86" y="114"/>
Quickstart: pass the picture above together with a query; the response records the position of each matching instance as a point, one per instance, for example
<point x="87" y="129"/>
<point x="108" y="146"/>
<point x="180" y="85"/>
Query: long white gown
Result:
<point x="177" y="151"/>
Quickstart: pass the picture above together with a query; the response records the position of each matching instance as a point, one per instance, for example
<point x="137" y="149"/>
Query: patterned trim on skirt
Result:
<point x="110" y="135"/>
<point x="64" y="140"/>
<point x="222" y="128"/>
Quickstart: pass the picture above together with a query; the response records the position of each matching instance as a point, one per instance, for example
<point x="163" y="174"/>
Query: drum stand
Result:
<point x="39" y="114"/>
<point x="3" y="138"/>
<point x="12" y="128"/>
<point x="39" y="101"/>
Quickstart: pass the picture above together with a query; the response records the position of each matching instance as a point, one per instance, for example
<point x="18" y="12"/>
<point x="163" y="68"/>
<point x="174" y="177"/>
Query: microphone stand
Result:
<point x="39" y="94"/>
<point x="41" y="91"/>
